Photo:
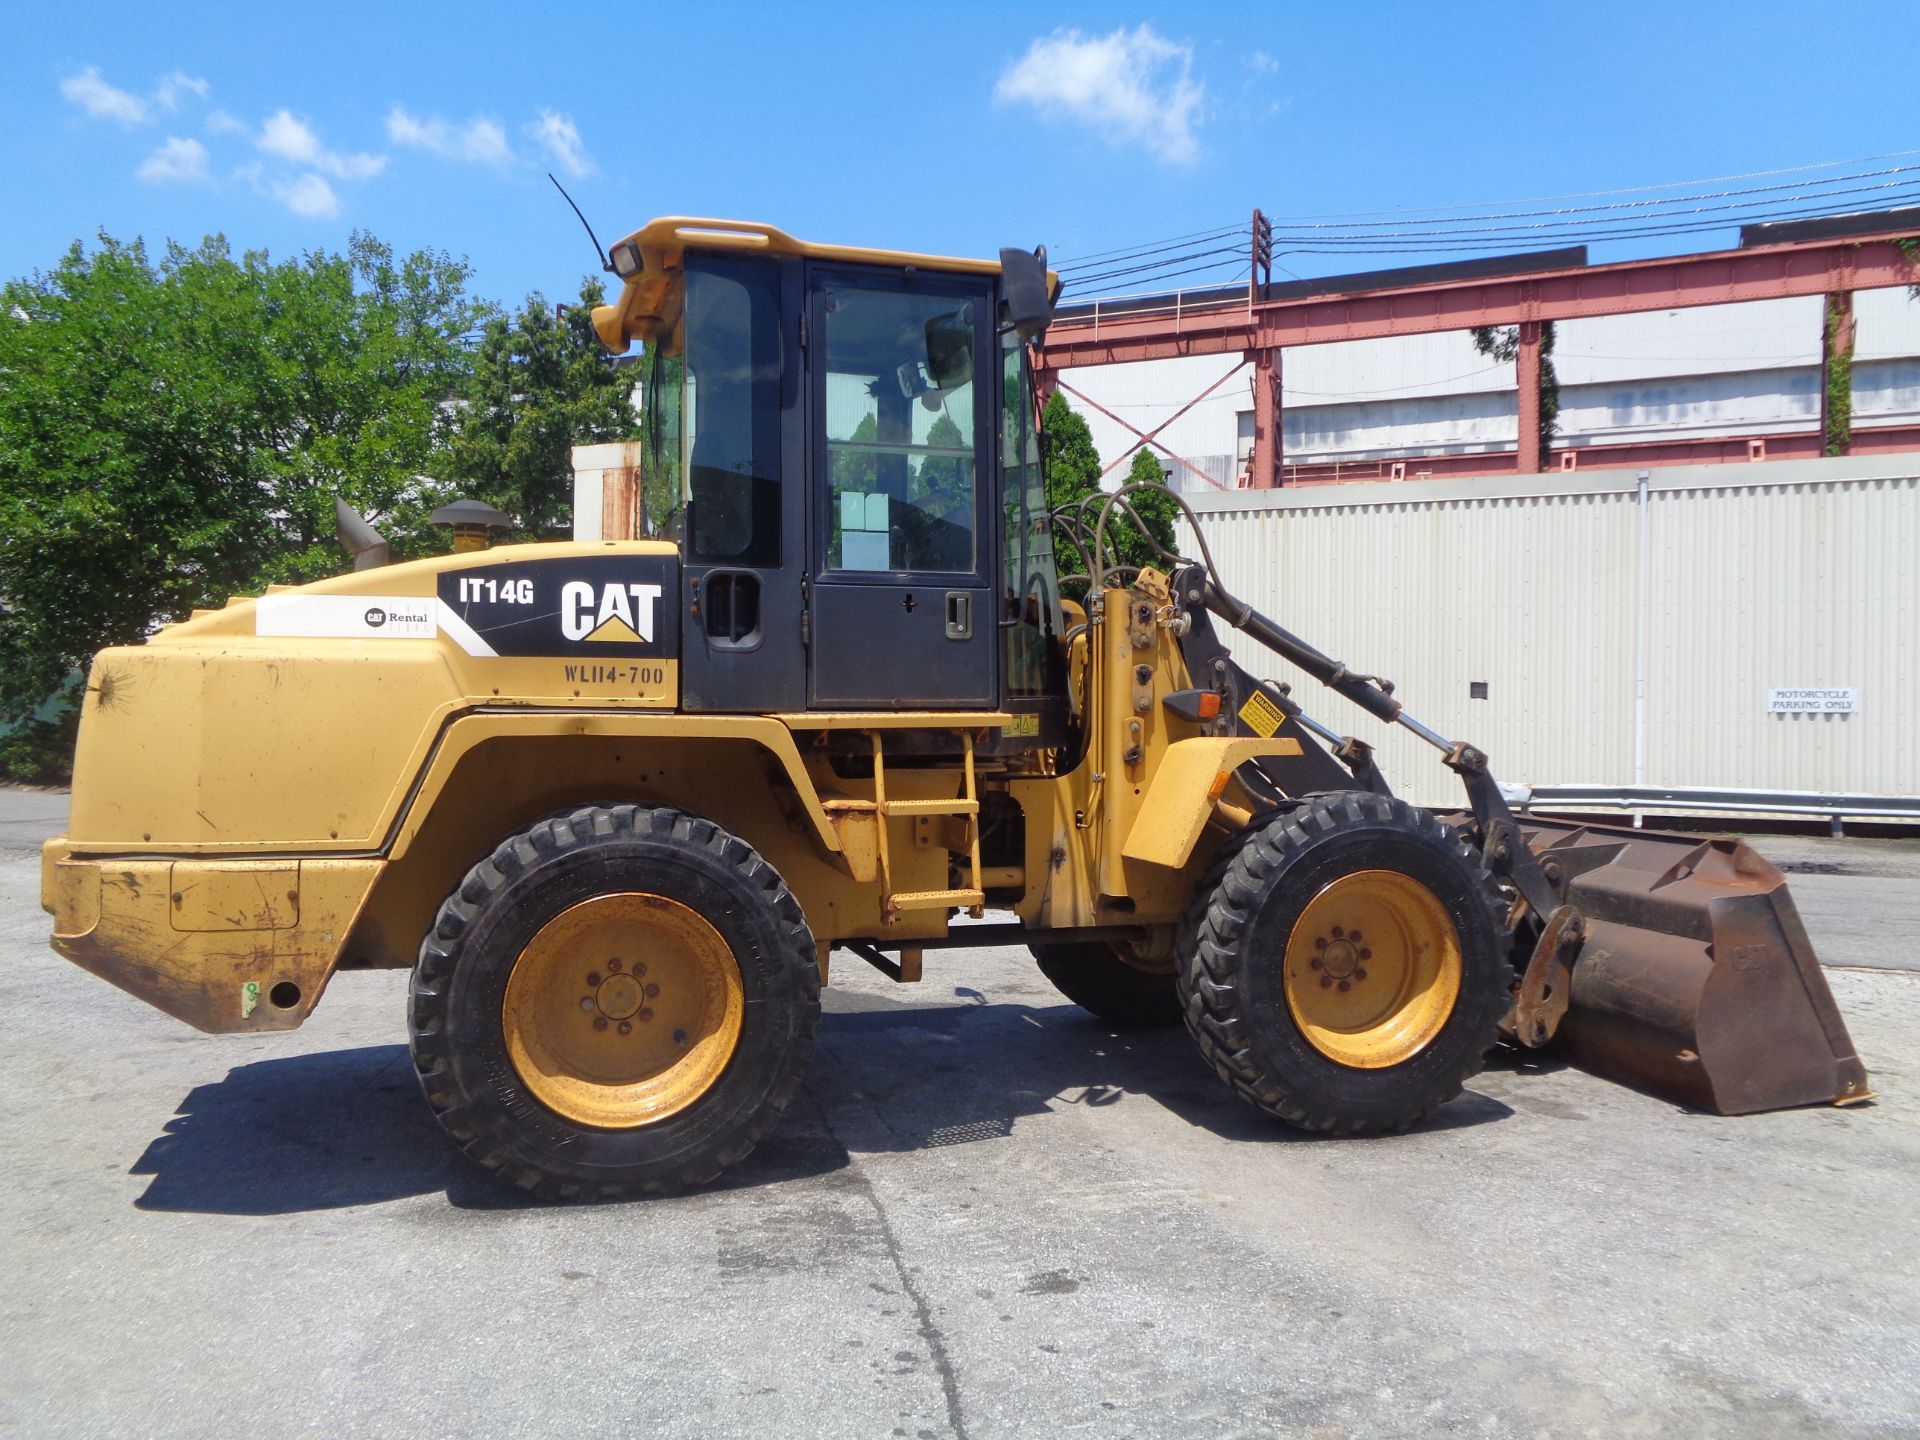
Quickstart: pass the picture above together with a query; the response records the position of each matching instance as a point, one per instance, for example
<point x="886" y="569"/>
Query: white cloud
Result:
<point x="225" y="122"/>
<point x="309" y="195"/>
<point x="178" y="162"/>
<point x="174" y="85"/>
<point x="480" y="140"/>
<point x="291" y="138"/>
<point x="560" y="138"/>
<point x="91" y="92"/>
<point x="1136" y="86"/>
<point x="103" y="101"/>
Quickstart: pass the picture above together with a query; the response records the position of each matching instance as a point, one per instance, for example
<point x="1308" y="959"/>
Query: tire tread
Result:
<point x="440" y="954"/>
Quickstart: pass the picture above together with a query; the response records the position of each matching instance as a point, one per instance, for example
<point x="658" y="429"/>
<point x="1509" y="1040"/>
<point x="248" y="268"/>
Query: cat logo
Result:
<point x="620" y="614"/>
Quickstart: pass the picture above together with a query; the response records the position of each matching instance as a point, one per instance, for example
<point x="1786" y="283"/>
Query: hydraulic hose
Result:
<point x="1363" y="690"/>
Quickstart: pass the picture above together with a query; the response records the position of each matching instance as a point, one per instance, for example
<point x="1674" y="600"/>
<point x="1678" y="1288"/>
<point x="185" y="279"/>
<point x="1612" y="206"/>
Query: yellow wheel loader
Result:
<point x="617" y="803"/>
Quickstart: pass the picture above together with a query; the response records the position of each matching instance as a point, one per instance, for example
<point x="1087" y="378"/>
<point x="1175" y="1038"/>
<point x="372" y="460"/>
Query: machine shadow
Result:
<point x="950" y="1074"/>
<point x="349" y="1127"/>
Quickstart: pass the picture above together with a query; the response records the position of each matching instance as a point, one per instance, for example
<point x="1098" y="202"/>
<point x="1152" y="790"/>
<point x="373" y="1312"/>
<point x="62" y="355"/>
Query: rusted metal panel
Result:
<point x="620" y="503"/>
<point x="607" y="492"/>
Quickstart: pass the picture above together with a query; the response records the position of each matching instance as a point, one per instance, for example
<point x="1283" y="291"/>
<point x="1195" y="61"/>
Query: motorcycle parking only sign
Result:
<point x="1813" y="702"/>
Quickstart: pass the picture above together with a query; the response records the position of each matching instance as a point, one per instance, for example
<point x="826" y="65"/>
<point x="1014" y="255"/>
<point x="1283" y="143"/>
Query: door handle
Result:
<point x="959" y="615"/>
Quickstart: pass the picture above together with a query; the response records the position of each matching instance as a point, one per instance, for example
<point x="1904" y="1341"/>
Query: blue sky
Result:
<point x="952" y="127"/>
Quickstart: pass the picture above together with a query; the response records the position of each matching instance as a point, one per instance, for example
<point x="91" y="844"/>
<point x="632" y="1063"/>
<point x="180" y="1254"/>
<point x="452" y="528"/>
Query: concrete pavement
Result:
<point x="986" y="1215"/>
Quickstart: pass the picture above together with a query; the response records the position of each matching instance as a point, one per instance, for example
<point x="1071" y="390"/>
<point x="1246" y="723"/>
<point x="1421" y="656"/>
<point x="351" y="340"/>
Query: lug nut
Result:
<point x="646" y="1013"/>
<point x="1359" y="975"/>
<point x="1320" y="943"/>
<point x="638" y="968"/>
<point x="614" y="964"/>
<point x="1338" y="933"/>
<point x="586" y="1003"/>
<point x="593" y="977"/>
<point x="1365" y="954"/>
<point x="599" y="1022"/>
<point x="1354" y="937"/>
<point x="1344" y="987"/>
<point x="626" y="1028"/>
<point x="1325" y="981"/>
<point x="652" y="990"/>
<point x="1314" y="964"/>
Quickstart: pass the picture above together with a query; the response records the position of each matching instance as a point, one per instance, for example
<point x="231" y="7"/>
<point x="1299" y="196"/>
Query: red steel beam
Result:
<point x="1722" y="277"/>
<point x="1149" y="439"/>
<point x="1264" y="470"/>
<point x="1527" y="368"/>
<point x="1619" y="454"/>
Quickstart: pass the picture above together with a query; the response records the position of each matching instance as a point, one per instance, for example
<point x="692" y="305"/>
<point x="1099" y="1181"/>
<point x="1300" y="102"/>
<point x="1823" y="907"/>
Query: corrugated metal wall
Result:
<point x="1806" y="575"/>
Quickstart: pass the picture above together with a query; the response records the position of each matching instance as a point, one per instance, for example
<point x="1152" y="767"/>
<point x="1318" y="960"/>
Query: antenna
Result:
<point x="605" y="264"/>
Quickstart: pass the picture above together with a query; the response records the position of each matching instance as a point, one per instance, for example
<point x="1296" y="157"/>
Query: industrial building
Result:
<point x="1731" y="379"/>
<point x="1803" y="341"/>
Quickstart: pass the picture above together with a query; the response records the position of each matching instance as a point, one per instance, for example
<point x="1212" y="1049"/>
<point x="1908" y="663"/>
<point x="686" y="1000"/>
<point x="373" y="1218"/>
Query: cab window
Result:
<point x="900" y="430"/>
<point x="1030" y="593"/>
<point x="731" y="412"/>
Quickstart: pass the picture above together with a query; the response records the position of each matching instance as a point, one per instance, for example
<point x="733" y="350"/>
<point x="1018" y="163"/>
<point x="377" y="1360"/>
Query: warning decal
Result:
<point x="1261" y="715"/>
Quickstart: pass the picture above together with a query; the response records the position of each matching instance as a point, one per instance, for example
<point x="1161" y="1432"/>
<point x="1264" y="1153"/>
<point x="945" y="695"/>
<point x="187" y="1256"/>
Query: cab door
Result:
<point x="743" y="534"/>
<point x="902" y="606"/>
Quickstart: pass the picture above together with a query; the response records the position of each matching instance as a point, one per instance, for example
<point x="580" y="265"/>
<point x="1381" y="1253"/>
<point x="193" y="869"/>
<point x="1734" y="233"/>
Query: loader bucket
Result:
<point x="1690" y="973"/>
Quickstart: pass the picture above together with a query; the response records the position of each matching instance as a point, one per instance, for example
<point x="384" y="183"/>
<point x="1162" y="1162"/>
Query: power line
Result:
<point x="1230" y="250"/>
<point x="1804" y="190"/>
<point x="1115" y="257"/>
<point x="1623" y="190"/>
<point x="1504" y="239"/>
<point x="1467" y="229"/>
<point x="1197" y="270"/>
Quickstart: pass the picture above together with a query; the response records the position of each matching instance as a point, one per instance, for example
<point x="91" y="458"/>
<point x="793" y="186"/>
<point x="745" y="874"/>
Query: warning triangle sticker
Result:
<point x="615" y="631"/>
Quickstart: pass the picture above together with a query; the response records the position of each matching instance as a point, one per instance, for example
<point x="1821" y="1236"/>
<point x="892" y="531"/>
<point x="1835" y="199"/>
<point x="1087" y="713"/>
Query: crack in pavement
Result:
<point x="930" y="1332"/>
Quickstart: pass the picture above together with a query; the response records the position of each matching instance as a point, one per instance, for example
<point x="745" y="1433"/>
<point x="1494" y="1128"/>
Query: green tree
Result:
<point x="541" y="384"/>
<point x="173" y="433"/>
<point x="943" y="472"/>
<point x="1073" y="474"/>
<point x="1156" y="509"/>
<point x="853" y="462"/>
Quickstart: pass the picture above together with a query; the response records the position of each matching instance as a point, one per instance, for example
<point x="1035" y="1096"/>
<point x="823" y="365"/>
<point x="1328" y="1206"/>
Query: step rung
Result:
<point x="933" y="807"/>
<point x="935" y="899"/>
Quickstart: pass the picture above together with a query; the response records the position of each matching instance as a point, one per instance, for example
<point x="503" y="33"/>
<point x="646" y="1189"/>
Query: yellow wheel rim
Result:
<point x="1372" y="969"/>
<point x="623" y="1010"/>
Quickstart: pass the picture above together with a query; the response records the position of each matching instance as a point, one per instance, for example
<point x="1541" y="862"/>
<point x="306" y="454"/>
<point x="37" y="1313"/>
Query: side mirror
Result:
<point x="950" y="349"/>
<point x="1023" y="288"/>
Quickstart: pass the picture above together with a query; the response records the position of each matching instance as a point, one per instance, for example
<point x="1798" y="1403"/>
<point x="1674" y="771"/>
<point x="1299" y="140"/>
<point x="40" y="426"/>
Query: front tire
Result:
<point x="620" y="999"/>
<point x="1344" y="966"/>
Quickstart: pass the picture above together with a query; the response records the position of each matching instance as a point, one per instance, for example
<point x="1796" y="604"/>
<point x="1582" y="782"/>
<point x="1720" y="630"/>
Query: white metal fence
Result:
<point x="1570" y="596"/>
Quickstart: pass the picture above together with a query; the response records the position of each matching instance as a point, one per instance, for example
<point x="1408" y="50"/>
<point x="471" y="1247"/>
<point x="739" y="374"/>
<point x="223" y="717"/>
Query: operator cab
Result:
<point x="842" y="444"/>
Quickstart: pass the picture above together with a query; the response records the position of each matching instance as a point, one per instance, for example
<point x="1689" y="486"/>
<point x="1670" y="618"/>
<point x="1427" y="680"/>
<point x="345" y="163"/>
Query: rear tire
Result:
<point x="620" y="999"/>
<point x="1099" y="979"/>
<point x="1274" y="964"/>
